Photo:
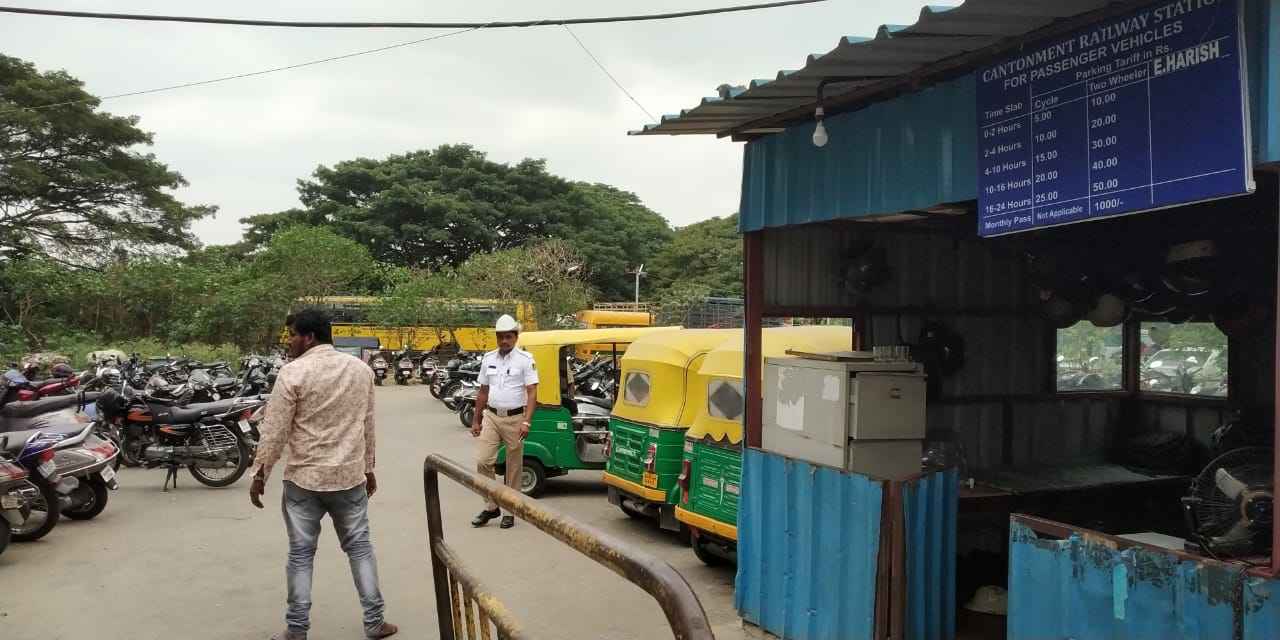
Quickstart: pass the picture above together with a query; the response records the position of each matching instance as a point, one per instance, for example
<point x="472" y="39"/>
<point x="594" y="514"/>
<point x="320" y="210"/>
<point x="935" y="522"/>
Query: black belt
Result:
<point x="505" y="413"/>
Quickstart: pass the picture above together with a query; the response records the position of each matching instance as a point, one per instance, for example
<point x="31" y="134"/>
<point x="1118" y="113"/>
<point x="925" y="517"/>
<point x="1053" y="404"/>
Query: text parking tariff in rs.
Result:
<point x="1138" y="112"/>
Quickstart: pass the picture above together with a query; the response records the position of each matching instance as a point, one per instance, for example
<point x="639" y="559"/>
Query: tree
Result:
<point x="436" y="209"/>
<point x="421" y="299"/>
<point x="612" y="231"/>
<point x="547" y="274"/>
<point x="676" y="300"/>
<point x="312" y="262"/>
<point x="429" y="209"/>
<point x="72" y="187"/>
<point x="707" y="253"/>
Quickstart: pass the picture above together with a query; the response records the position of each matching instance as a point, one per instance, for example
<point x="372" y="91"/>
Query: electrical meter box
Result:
<point x="862" y="416"/>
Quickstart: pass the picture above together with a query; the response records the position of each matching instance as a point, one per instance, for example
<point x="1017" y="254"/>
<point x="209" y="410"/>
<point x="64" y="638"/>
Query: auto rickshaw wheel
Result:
<point x="632" y="512"/>
<point x="533" y="478"/>
<point x="707" y="556"/>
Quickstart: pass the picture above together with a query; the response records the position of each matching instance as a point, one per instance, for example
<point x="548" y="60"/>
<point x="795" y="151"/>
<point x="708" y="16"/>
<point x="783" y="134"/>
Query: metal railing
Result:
<point x="466" y="609"/>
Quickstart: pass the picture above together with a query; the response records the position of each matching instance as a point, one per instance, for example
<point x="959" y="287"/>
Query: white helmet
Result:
<point x="506" y="323"/>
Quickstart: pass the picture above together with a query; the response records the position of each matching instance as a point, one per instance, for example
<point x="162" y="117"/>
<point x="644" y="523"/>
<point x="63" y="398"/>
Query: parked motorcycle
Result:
<point x="465" y="400"/>
<point x="404" y="368"/>
<point x="215" y="441"/>
<point x="457" y="371"/>
<point x="69" y="473"/>
<point x="256" y="378"/>
<point x="379" y="365"/>
<point x="13" y="478"/>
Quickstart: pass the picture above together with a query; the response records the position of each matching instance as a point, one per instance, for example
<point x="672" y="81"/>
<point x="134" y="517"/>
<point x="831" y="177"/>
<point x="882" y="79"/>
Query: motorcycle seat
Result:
<point x="191" y="413"/>
<point x="18" y="438"/>
<point x="603" y="403"/>
<point x="29" y="408"/>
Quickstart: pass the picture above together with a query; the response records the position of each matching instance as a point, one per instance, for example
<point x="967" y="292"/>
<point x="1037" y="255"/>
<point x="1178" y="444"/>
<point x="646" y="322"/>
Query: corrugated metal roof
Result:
<point x="941" y="32"/>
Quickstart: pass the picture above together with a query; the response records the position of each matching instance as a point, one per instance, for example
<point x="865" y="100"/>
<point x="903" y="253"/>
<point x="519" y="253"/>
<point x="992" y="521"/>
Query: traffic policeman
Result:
<point x="504" y="408"/>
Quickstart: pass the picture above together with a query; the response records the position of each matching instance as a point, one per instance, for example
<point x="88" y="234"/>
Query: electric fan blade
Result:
<point x="1239" y="534"/>
<point x="1227" y="484"/>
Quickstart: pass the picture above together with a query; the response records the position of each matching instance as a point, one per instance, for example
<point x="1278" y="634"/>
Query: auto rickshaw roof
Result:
<point x="676" y="348"/>
<point x="726" y="360"/>
<point x="563" y="337"/>
<point x="672" y="389"/>
<point x="545" y="346"/>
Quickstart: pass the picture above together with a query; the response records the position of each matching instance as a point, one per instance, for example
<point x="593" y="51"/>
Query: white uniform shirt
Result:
<point x="506" y="377"/>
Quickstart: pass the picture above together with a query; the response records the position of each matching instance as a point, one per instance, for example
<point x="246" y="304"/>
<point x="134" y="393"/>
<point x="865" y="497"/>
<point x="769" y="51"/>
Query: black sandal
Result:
<point x="484" y="517"/>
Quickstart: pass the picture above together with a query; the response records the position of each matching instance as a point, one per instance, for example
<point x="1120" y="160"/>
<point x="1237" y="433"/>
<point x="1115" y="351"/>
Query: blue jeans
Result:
<point x="349" y="511"/>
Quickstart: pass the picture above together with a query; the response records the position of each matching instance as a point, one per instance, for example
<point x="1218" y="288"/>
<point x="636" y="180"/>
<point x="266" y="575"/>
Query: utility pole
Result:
<point x="638" y="272"/>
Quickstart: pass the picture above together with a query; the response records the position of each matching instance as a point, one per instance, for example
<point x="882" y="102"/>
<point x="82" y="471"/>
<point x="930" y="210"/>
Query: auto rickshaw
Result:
<point x="707" y="489"/>
<point x="658" y="398"/>
<point x="569" y="428"/>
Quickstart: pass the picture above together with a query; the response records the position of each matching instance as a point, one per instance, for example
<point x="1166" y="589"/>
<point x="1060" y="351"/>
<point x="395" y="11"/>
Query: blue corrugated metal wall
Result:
<point x="808" y="539"/>
<point x="1261" y="609"/>
<point x="920" y="150"/>
<point x="1262" y="39"/>
<point x="911" y="152"/>
<point x="930" y="507"/>
<point x="1086" y="589"/>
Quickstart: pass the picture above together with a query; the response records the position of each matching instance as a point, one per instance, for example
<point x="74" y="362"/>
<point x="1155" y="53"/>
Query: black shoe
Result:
<point x="507" y="522"/>
<point x="484" y="517"/>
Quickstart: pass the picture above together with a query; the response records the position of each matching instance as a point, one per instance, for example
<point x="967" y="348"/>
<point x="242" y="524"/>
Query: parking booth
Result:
<point x="1055" y="226"/>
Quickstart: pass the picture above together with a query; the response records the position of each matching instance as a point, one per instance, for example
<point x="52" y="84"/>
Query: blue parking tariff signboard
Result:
<point x="1139" y="112"/>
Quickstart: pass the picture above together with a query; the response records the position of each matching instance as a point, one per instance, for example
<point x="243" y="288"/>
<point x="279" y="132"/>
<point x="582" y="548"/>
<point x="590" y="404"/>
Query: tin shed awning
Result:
<point x="861" y="63"/>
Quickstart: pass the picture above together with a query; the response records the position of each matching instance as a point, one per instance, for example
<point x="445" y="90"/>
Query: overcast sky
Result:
<point x="513" y="93"/>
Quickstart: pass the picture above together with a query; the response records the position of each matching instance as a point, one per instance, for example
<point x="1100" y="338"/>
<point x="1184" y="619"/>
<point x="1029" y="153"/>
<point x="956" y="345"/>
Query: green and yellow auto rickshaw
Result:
<point x="658" y="397"/>
<point x="709" y="481"/>
<point x="569" y="429"/>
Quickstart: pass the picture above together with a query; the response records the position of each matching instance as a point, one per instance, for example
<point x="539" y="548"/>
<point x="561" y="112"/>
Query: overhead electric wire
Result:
<point x="398" y="25"/>
<point x="463" y="27"/>
<point x="606" y="72"/>
<point x="250" y="74"/>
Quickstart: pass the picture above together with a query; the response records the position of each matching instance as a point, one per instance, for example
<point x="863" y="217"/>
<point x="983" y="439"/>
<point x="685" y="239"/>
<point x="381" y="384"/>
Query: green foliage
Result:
<point x="212" y="296"/>
<point x="311" y="262"/>
<point x="707" y="253"/>
<point x="611" y="231"/>
<point x="548" y="274"/>
<point x="72" y="184"/>
<point x="427" y="209"/>
<point x="1189" y="335"/>
<point x="676" y="300"/>
<point x="77" y="347"/>
<point x="436" y="209"/>
<point x="421" y="299"/>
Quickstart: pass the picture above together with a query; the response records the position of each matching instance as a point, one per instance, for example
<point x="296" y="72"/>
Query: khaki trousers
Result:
<point x="495" y="431"/>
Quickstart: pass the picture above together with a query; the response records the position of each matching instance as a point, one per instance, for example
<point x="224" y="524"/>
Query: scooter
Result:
<point x="69" y="472"/>
<point x="465" y="401"/>
<point x="404" y="368"/>
<point x="379" y="365"/>
<point x="12" y="514"/>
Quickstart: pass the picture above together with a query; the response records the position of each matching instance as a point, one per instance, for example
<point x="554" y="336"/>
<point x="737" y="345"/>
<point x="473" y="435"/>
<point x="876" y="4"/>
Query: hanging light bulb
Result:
<point x="819" y="132"/>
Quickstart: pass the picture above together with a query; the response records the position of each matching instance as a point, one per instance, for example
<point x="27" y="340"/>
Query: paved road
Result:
<point x="200" y="563"/>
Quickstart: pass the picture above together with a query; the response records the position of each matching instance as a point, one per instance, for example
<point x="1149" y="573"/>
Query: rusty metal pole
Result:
<point x="435" y="533"/>
<point x="753" y="378"/>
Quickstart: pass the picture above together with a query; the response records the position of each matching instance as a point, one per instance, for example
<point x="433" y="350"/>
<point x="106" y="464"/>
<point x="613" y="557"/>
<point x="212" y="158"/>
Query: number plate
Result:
<point x="108" y="474"/>
<point x="10" y="502"/>
<point x="651" y="480"/>
<point x="47" y="469"/>
<point x="244" y="426"/>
